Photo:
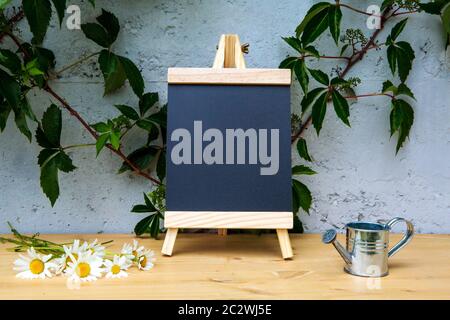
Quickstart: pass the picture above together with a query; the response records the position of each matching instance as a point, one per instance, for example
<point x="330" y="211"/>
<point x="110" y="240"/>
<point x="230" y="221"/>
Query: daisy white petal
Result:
<point x="33" y="266"/>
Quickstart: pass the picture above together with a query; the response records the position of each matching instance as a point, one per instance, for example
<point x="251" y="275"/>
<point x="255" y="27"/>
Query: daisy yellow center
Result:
<point x="143" y="261"/>
<point x="115" y="269"/>
<point x="134" y="253"/>
<point x="83" y="269"/>
<point x="37" y="266"/>
<point x="69" y="259"/>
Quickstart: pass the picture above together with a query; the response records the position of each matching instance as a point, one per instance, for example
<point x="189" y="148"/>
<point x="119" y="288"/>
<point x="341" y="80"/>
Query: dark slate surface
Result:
<point x="229" y="187"/>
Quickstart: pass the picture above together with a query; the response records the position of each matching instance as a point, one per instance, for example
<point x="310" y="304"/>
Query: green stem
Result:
<point x="357" y="10"/>
<point x="83" y="145"/>
<point x="77" y="62"/>
<point x="370" y="95"/>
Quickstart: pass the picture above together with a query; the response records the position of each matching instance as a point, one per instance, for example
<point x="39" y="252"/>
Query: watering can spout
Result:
<point x="330" y="237"/>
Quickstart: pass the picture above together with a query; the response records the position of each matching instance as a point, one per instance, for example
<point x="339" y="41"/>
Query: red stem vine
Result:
<point x="352" y="60"/>
<point x="72" y="111"/>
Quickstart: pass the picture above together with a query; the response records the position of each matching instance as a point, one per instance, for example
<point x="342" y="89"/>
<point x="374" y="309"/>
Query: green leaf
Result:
<point x="45" y="61"/>
<point x="398" y="28"/>
<point x="309" y="98"/>
<point x="101" y="142"/>
<point x="38" y="14"/>
<point x="155" y="225"/>
<point x="152" y="135"/>
<point x="401" y="119"/>
<point x="341" y="107"/>
<point x="147" y="101"/>
<point x="143" y="225"/>
<point x="312" y="51"/>
<point x="336" y="81"/>
<point x="389" y="86"/>
<point x="301" y="74"/>
<point x="403" y="89"/>
<point x="288" y="63"/>
<point x="5" y="110"/>
<point x="298" y="226"/>
<point x="344" y="47"/>
<point x="295" y="200"/>
<point x="434" y="7"/>
<point x="405" y="58"/>
<point x="101" y="127"/>
<point x="92" y="2"/>
<point x="114" y="138"/>
<point x="10" y="60"/>
<point x="96" y="33"/>
<point x="401" y="55"/>
<point x="134" y="75"/>
<point x="46" y="155"/>
<point x="21" y="122"/>
<point x="141" y="157"/>
<point x="50" y="160"/>
<point x="141" y="208"/>
<point x="334" y="20"/>
<point x="105" y="33"/>
<point x="303" y="170"/>
<point x="302" y="149"/>
<point x="52" y="124"/>
<point x="111" y="24"/>
<point x="303" y="194"/>
<point x="161" y="166"/>
<point x="160" y="117"/>
<point x="319" y="110"/>
<point x="392" y="58"/>
<point x="320" y="76"/>
<point x="49" y="181"/>
<point x="446" y="18"/>
<point x="312" y="12"/>
<point x="64" y="163"/>
<point x="315" y="27"/>
<point x="386" y="3"/>
<point x="113" y="72"/>
<point x="10" y="89"/>
<point x="294" y="43"/>
<point x="127" y="111"/>
<point x="60" y="6"/>
<point x="150" y="223"/>
<point x="42" y="139"/>
<point x="145" y="124"/>
<point x="4" y="3"/>
<point x="148" y="202"/>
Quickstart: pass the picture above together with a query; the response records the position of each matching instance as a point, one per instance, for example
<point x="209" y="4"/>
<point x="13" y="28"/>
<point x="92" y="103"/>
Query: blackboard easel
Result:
<point x="229" y="56"/>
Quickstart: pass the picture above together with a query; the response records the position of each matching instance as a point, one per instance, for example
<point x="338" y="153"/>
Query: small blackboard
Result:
<point x="228" y="148"/>
<point x="228" y="151"/>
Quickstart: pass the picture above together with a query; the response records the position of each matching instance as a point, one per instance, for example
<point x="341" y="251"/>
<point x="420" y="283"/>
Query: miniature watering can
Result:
<point x="367" y="253"/>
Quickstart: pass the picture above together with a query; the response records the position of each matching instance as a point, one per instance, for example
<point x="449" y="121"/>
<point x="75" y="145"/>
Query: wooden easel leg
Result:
<point x="285" y="243"/>
<point x="169" y="241"/>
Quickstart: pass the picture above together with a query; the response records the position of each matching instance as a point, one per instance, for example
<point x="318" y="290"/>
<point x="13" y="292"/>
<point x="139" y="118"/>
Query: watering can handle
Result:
<point x="408" y="235"/>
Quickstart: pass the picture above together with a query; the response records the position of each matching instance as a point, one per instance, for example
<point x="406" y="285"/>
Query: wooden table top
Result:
<point x="207" y="266"/>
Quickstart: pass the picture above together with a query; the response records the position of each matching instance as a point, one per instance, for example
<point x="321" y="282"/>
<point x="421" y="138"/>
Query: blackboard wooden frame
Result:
<point x="229" y="69"/>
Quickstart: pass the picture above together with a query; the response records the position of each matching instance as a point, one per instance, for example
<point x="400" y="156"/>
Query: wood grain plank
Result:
<point x="229" y="76"/>
<point x="248" y="267"/>
<point x="228" y="220"/>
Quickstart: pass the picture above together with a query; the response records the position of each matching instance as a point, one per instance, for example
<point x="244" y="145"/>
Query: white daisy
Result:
<point x="34" y="266"/>
<point x="132" y="252"/>
<point x="73" y="250"/>
<point x="96" y="248"/>
<point x="86" y="267"/>
<point x="117" y="267"/>
<point x="146" y="259"/>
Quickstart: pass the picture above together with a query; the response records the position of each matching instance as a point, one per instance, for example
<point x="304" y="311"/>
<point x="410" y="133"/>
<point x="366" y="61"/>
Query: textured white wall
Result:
<point x="359" y="175"/>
